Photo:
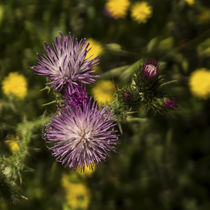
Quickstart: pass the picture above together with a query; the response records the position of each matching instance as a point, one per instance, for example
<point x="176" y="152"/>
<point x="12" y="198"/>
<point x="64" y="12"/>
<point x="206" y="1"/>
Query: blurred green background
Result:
<point x="162" y="162"/>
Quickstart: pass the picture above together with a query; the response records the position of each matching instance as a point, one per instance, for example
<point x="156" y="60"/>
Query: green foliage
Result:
<point x="162" y="160"/>
<point x="12" y="166"/>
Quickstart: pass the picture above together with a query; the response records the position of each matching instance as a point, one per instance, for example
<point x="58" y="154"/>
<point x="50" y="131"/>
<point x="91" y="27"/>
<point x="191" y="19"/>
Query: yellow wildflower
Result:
<point x="199" y="83"/>
<point x="103" y="91"/>
<point x="96" y="48"/>
<point x="12" y="143"/>
<point x="141" y="11"/>
<point x="117" y="8"/>
<point x="76" y="193"/>
<point x="190" y="2"/>
<point x="15" y="84"/>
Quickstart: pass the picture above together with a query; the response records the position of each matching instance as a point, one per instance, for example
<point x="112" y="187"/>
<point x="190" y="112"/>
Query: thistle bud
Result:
<point x="170" y="104"/>
<point x="150" y="69"/>
<point x="126" y="95"/>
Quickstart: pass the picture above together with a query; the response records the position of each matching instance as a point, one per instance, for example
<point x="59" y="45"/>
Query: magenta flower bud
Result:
<point x="126" y="95"/>
<point x="170" y="104"/>
<point x="150" y="68"/>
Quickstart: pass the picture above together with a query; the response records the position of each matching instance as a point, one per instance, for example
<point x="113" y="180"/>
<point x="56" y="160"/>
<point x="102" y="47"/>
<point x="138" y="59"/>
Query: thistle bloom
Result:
<point x="150" y="69"/>
<point x="75" y="97"/>
<point x="82" y="136"/>
<point x="65" y="63"/>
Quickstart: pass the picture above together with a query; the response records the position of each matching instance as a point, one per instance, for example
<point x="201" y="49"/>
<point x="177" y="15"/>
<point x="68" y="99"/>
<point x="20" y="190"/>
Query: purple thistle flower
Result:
<point x="82" y="136"/>
<point x="75" y="97"/>
<point x="150" y="68"/>
<point x="170" y="104"/>
<point x="65" y="63"/>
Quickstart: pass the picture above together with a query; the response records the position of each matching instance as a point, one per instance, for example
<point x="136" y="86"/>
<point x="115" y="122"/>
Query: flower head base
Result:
<point x="199" y="83"/>
<point x="150" y="69"/>
<point x="15" y="84"/>
<point x="82" y="136"/>
<point x="75" y="97"/>
<point x="65" y="63"/>
<point x="170" y="104"/>
<point x="117" y="8"/>
<point x="141" y="11"/>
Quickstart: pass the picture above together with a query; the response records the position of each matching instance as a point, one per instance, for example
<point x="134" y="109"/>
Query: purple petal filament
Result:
<point x="65" y="64"/>
<point x="82" y="136"/>
<point x="75" y="97"/>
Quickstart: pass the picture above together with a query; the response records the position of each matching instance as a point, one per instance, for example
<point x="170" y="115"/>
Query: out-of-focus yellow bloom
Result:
<point x="204" y="16"/>
<point x="12" y="143"/>
<point x="141" y="11"/>
<point x="15" y="84"/>
<point x="190" y="2"/>
<point x="76" y="193"/>
<point x="117" y="8"/>
<point x="88" y="171"/>
<point x="1" y="13"/>
<point x="96" y="48"/>
<point x="103" y="91"/>
<point x="199" y="83"/>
